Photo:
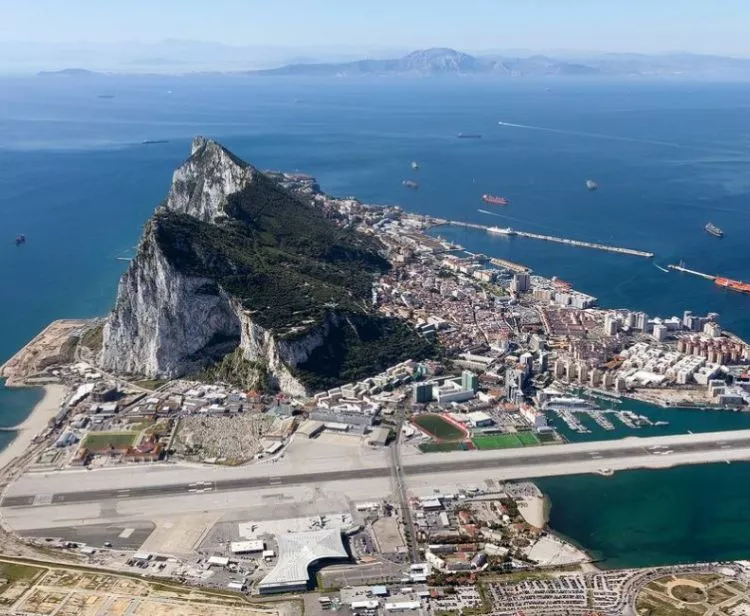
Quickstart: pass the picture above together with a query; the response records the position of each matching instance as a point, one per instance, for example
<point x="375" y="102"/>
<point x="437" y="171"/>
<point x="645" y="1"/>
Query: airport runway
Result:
<point x="600" y="454"/>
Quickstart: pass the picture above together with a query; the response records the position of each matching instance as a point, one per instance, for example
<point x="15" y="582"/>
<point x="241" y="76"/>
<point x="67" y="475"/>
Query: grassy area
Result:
<point x="152" y="384"/>
<point x="105" y="440"/>
<point x="527" y="438"/>
<point x="14" y="572"/>
<point x="439" y="428"/>
<point x="438" y="447"/>
<point x="92" y="339"/>
<point x="505" y="441"/>
<point x="546" y="437"/>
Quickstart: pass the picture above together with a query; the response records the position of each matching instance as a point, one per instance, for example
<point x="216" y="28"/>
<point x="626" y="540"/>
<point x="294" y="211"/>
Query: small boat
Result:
<point x="20" y="239"/>
<point x="154" y="141"/>
<point x="414" y="165"/>
<point x="591" y="185"/>
<point x="712" y="229"/>
<point x="410" y="184"/>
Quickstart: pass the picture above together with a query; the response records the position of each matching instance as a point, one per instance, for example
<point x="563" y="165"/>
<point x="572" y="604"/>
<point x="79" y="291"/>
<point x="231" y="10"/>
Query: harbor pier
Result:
<point x="551" y="238"/>
<point x="685" y="270"/>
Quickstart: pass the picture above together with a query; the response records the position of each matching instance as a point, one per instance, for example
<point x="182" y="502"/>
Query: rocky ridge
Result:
<point x="231" y="259"/>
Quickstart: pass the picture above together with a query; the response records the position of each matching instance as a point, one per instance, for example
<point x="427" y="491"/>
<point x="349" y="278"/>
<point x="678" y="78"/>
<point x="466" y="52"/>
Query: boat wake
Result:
<point x="663" y="269"/>
<point x="669" y="144"/>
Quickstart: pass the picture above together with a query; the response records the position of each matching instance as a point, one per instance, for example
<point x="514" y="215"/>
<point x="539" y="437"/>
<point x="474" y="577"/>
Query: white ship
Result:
<point x="500" y="230"/>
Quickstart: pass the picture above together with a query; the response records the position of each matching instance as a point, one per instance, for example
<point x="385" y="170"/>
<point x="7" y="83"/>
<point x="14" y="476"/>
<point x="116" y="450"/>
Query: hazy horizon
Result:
<point x="240" y="34"/>
<point x="178" y="56"/>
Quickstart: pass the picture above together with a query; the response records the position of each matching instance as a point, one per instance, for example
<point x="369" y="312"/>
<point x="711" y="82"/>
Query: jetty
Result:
<point x="685" y="270"/>
<point x="510" y="265"/>
<point x="551" y="238"/>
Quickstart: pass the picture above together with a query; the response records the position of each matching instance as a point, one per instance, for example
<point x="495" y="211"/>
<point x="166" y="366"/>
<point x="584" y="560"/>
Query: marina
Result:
<point x="550" y="238"/>
<point x="570" y="410"/>
<point x="601" y="420"/>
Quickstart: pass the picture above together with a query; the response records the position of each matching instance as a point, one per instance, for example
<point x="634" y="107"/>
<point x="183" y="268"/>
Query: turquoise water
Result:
<point x="16" y="403"/>
<point x="669" y="157"/>
<point x="644" y="518"/>
<point x="680" y="421"/>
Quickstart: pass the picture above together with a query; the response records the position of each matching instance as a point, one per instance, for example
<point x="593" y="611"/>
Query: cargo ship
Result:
<point x="495" y="200"/>
<point x="734" y="285"/>
<point x="714" y="230"/>
<point x="469" y="136"/>
<point x="410" y="184"/>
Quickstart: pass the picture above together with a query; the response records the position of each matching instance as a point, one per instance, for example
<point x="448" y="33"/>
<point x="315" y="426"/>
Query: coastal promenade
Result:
<point x="548" y="238"/>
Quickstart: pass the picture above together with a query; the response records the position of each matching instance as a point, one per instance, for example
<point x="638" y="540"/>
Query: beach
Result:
<point x="36" y="422"/>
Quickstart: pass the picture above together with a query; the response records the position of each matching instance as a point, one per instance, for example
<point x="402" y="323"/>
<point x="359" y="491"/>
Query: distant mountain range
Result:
<point x="443" y="61"/>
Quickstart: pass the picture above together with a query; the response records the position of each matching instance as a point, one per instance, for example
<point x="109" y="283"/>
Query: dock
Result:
<point x="685" y="270"/>
<point x="551" y="238"/>
<point x="510" y="265"/>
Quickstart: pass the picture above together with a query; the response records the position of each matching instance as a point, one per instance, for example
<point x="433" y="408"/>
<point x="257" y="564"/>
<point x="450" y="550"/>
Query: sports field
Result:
<point x="97" y="441"/>
<point x="439" y="428"/>
<point x="505" y="441"/>
<point x="440" y="447"/>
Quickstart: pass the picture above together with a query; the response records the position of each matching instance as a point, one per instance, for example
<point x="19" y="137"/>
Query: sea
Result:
<point x="669" y="156"/>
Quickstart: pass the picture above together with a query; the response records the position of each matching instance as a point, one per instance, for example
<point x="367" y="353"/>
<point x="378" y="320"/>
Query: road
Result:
<point x="530" y="462"/>
<point x="410" y="530"/>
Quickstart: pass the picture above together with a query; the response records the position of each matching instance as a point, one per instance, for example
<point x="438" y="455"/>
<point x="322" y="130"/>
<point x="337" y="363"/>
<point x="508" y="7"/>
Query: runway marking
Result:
<point x="42" y="499"/>
<point x="126" y="532"/>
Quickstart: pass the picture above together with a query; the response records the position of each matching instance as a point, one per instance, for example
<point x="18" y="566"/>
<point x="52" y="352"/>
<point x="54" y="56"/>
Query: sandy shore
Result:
<point x="36" y="422"/>
<point x="532" y="510"/>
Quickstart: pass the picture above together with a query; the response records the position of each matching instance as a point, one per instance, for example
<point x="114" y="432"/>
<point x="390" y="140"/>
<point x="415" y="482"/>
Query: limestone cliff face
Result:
<point x="259" y="344"/>
<point x="165" y="323"/>
<point x="169" y="321"/>
<point x="200" y="187"/>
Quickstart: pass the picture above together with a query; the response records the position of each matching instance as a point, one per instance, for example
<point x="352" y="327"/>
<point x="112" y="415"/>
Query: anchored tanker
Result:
<point x="495" y="200"/>
<point x="734" y="285"/>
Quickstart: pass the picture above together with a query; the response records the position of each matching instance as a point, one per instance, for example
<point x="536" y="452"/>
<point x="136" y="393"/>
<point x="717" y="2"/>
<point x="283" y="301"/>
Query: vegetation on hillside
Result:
<point x="236" y="370"/>
<point x="290" y="266"/>
<point x="279" y="256"/>
<point x="92" y="339"/>
<point x="362" y="346"/>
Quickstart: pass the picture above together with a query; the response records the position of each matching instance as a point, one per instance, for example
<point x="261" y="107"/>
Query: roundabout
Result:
<point x="699" y="594"/>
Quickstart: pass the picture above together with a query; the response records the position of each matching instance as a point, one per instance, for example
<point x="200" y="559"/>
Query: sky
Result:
<point x="701" y="26"/>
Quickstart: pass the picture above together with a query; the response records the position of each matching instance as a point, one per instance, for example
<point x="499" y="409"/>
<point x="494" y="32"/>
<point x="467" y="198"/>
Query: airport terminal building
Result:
<point x="297" y="552"/>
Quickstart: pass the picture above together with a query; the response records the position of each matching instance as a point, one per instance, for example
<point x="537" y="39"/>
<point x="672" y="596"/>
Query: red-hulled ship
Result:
<point x="734" y="285"/>
<point x="494" y="200"/>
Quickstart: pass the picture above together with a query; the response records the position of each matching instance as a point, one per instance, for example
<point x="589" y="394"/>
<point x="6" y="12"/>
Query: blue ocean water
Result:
<point x="76" y="178"/>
